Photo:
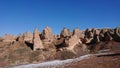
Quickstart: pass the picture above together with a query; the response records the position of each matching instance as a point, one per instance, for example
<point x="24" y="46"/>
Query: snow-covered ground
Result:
<point x="53" y="64"/>
<point x="59" y="63"/>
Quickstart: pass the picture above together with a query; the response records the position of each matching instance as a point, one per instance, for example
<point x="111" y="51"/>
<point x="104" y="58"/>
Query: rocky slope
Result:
<point x="39" y="47"/>
<point x="101" y="60"/>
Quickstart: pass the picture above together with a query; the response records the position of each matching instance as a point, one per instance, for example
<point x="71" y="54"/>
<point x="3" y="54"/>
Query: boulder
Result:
<point x="37" y="43"/>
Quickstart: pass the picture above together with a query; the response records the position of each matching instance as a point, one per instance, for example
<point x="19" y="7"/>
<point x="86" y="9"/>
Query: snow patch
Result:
<point x="54" y="64"/>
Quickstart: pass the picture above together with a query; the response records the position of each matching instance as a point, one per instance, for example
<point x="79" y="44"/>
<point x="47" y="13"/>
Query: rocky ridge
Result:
<point x="48" y="46"/>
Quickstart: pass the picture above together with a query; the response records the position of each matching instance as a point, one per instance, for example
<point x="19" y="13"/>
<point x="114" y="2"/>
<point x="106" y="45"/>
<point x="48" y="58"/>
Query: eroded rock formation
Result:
<point x="65" y="33"/>
<point x="72" y="42"/>
<point x="47" y="35"/>
<point x="78" y="33"/>
<point x="27" y="36"/>
<point x="66" y="38"/>
<point x="37" y="43"/>
<point x="117" y="33"/>
<point x="20" y="37"/>
<point x="8" y="38"/>
<point x="37" y="47"/>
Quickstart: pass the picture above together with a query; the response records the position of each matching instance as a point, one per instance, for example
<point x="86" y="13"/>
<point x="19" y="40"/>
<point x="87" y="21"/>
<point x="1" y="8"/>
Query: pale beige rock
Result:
<point x="107" y="37"/>
<point x="88" y="36"/>
<point x="88" y="33"/>
<point x="92" y="35"/>
<point x="8" y="38"/>
<point x="95" y="31"/>
<point x="47" y="35"/>
<point x="28" y="36"/>
<point x="65" y="33"/>
<point x="20" y="37"/>
<point x="105" y="34"/>
<point x="84" y="47"/>
<point x="88" y="40"/>
<point x="78" y="33"/>
<point x="57" y="36"/>
<point x="37" y="43"/>
<point x="71" y="42"/>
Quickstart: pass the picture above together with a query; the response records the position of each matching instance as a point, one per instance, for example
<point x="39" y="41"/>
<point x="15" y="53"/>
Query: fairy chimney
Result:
<point x="47" y="35"/>
<point x="37" y="43"/>
<point x="65" y="33"/>
<point x="28" y="36"/>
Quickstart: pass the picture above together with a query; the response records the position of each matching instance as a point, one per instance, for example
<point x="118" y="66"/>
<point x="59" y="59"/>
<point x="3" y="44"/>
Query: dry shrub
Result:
<point x="65" y="54"/>
<point x="97" y="62"/>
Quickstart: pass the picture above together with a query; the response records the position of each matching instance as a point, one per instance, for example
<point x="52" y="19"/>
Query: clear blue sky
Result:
<point x="18" y="16"/>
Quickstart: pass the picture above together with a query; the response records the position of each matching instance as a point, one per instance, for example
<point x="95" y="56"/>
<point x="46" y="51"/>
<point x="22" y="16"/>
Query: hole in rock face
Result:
<point x="38" y="49"/>
<point x="29" y="44"/>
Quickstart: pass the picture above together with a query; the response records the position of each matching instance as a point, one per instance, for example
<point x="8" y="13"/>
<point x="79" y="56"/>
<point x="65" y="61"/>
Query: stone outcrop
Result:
<point x="88" y="36"/>
<point x="39" y="47"/>
<point x="66" y="38"/>
<point x="71" y="42"/>
<point x="78" y="33"/>
<point x="88" y="33"/>
<point x="28" y="36"/>
<point x="8" y="38"/>
<point x="117" y="34"/>
<point x="57" y="36"/>
<point x="47" y="35"/>
<point x="20" y="37"/>
<point x="37" y="43"/>
<point x="65" y="33"/>
<point x="95" y="38"/>
<point x="103" y="34"/>
<point x="106" y="34"/>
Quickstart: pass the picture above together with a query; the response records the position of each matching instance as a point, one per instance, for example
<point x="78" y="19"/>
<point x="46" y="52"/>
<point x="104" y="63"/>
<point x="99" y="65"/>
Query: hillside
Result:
<point x="103" y="46"/>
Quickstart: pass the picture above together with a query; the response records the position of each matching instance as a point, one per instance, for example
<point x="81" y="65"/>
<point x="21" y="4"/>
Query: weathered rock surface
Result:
<point x="37" y="47"/>
<point x="88" y="36"/>
<point x="28" y="36"/>
<point x="47" y="35"/>
<point x="65" y="33"/>
<point x="78" y="33"/>
<point x="8" y="38"/>
<point x="37" y="43"/>
<point x="71" y="42"/>
<point x="20" y="37"/>
<point x="117" y="34"/>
